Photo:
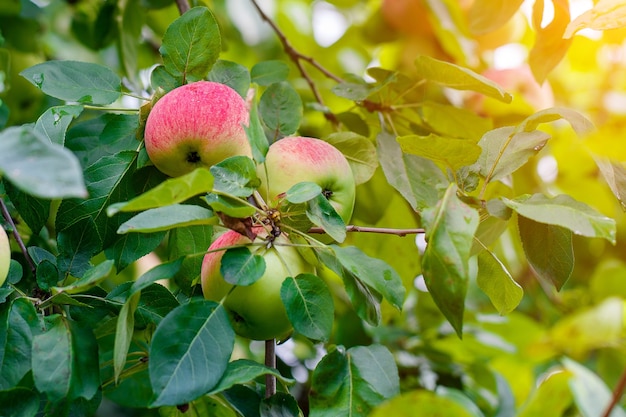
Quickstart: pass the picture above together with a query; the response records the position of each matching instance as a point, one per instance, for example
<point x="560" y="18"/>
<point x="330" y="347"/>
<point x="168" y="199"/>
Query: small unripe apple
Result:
<point x="5" y="256"/>
<point x="297" y="159"/>
<point x="256" y="311"/>
<point x="197" y="124"/>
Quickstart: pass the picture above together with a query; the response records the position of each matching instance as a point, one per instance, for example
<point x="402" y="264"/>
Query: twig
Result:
<point x="297" y="58"/>
<point x="16" y="235"/>
<point x="183" y="6"/>
<point x="381" y="230"/>
<point x="617" y="394"/>
<point x="270" y="361"/>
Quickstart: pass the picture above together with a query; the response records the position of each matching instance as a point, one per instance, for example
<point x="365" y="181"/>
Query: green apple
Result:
<point x="256" y="311"/>
<point x="5" y="255"/>
<point x="197" y="124"/>
<point x="296" y="159"/>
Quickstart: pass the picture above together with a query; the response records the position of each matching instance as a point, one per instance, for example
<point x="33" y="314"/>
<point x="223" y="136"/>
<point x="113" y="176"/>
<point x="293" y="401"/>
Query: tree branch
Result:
<point x="16" y="235"/>
<point x="297" y="58"/>
<point x="183" y="6"/>
<point x="617" y="394"/>
<point x="381" y="230"/>
<point x="270" y="361"/>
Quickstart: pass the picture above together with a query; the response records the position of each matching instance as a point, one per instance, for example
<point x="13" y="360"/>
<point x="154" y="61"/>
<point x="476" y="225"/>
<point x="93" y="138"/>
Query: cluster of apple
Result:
<point x="201" y="124"/>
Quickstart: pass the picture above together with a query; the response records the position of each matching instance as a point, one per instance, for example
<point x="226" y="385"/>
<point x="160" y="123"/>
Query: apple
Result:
<point x="296" y="159"/>
<point x="256" y="311"/>
<point x="197" y="124"/>
<point x="5" y="255"/>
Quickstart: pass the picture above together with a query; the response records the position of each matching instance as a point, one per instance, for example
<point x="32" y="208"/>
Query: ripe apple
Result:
<point x="197" y="124"/>
<point x="256" y="311"/>
<point x="297" y="159"/>
<point x="5" y="255"/>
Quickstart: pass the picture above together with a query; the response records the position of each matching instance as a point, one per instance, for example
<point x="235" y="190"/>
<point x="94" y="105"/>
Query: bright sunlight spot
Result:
<point x="329" y="24"/>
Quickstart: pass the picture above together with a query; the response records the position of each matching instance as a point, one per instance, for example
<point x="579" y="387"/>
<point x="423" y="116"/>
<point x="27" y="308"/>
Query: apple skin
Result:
<point x="295" y="159"/>
<point x="256" y="311"/>
<point x="197" y="124"/>
<point x="5" y="256"/>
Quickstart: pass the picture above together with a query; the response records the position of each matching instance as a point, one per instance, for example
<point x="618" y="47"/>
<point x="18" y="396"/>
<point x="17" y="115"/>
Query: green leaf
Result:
<point x="184" y="241"/>
<point x="130" y="20"/>
<point x="239" y="266"/>
<point x="614" y="173"/>
<point x="269" y="72"/>
<point x="452" y="152"/>
<point x="47" y="274"/>
<point x="123" y="334"/>
<point x="417" y="179"/>
<point x="590" y="393"/>
<point x="459" y="78"/>
<point x="551" y="397"/>
<point x="20" y="401"/>
<point x="168" y="217"/>
<point x="360" y="153"/>
<point x="495" y="281"/>
<point x="566" y="212"/>
<point x="309" y="306"/>
<point x="162" y="271"/>
<point x="280" y="404"/>
<point x="91" y="278"/>
<point x="160" y="78"/>
<point x="354" y="382"/>
<point x="34" y="211"/>
<point x="450" y="121"/>
<point x="375" y="273"/>
<point x="303" y="192"/>
<point x="256" y="135"/>
<point x="191" y="45"/>
<point x="170" y="191"/>
<point x="75" y="81"/>
<point x="132" y="246"/>
<point x="53" y="123"/>
<point x="234" y="75"/>
<point x="65" y="361"/>
<point x="17" y="322"/>
<point x="280" y="109"/>
<point x="549" y="250"/>
<point x="581" y="125"/>
<point x="420" y="402"/>
<point x="235" y="176"/>
<point x="486" y="16"/>
<point x="241" y="371"/>
<point x="232" y="207"/>
<point x="321" y="213"/>
<point x="189" y="352"/>
<point x="38" y="167"/>
<point x="504" y="151"/>
<point x="450" y="229"/>
<point x="155" y="303"/>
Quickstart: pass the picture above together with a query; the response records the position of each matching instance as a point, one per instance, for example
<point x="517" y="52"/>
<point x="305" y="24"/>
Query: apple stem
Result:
<point x="16" y="235"/>
<point x="270" y="361"/>
<point x="382" y="230"/>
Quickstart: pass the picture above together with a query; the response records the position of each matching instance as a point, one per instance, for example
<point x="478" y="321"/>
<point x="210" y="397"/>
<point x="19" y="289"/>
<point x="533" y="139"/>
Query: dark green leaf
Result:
<point x="160" y="78"/>
<point x="53" y="123"/>
<point x="47" y="274"/>
<point x="52" y="359"/>
<point x="234" y="75"/>
<point x="170" y="191"/>
<point x="280" y="108"/>
<point x="184" y="241"/>
<point x="450" y="229"/>
<point x="191" y="45"/>
<point x="156" y="302"/>
<point x="280" y="404"/>
<point x="239" y="266"/>
<point x="241" y="371"/>
<point x="85" y="369"/>
<point x="235" y="176"/>
<point x="269" y="72"/>
<point x="20" y="401"/>
<point x="168" y="217"/>
<point x="309" y="306"/>
<point x="232" y="207"/>
<point x="38" y="167"/>
<point x="566" y="212"/>
<point x="459" y="78"/>
<point x="162" y="271"/>
<point x="81" y="82"/>
<point x="549" y="250"/>
<point x="17" y="320"/>
<point x="33" y="210"/>
<point x="91" y="278"/>
<point x="354" y="382"/>
<point x="417" y="179"/>
<point x="132" y="246"/>
<point x="303" y="192"/>
<point x="322" y="214"/>
<point x="189" y="352"/>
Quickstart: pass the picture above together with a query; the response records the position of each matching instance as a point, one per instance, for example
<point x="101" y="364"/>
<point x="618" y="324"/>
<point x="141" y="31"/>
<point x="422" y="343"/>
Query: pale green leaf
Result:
<point x="124" y="333"/>
<point x="168" y="217"/>
<point x="420" y="402"/>
<point x="454" y="153"/>
<point x="92" y="277"/>
<point x="604" y="15"/>
<point x="360" y="153"/>
<point x="496" y="281"/>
